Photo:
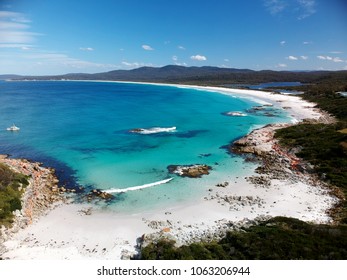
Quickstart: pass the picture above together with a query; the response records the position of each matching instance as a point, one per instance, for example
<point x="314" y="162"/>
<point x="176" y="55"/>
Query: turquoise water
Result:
<point x="82" y="129"/>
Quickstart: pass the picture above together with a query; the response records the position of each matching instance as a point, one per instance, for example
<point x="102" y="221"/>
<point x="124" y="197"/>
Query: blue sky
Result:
<point x="40" y="37"/>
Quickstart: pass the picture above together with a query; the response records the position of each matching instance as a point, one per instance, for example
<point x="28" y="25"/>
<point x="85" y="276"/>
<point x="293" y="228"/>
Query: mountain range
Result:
<point x="205" y="75"/>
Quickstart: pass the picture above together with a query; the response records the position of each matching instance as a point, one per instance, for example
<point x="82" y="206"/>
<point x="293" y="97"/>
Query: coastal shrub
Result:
<point x="9" y="177"/>
<point x="278" y="238"/>
<point x="9" y="202"/>
<point x="10" y="193"/>
<point x="326" y="98"/>
<point x="320" y="145"/>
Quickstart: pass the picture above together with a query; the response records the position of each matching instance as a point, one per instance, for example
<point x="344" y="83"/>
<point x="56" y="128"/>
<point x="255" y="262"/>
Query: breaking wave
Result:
<point x="138" y="187"/>
<point x="153" y="130"/>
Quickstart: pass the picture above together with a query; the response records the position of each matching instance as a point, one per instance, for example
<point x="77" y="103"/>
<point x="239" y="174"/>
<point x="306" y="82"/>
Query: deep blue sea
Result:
<point x="83" y="130"/>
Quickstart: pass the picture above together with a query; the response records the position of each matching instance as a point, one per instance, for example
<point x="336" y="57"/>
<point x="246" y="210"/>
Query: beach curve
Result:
<point x="208" y="215"/>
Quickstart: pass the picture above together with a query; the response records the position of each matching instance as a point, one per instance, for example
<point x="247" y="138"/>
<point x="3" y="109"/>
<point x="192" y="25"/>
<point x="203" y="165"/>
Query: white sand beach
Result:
<point x="71" y="231"/>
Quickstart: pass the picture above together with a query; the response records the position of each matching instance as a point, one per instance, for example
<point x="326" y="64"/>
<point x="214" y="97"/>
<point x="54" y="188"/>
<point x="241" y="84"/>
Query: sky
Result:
<point x="41" y="37"/>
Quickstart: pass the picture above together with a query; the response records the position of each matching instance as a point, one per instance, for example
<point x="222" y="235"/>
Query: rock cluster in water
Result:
<point x="191" y="171"/>
<point x="95" y="193"/>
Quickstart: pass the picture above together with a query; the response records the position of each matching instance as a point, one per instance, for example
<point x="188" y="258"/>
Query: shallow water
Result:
<point x="83" y="129"/>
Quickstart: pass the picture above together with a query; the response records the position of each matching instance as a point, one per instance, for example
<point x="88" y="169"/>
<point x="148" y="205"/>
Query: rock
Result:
<point x="96" y="193"/>
<point x="191" y="171"/>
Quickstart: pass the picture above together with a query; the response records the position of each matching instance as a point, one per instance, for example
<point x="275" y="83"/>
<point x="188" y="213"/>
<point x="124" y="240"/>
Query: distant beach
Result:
<point x="83" y="231"/>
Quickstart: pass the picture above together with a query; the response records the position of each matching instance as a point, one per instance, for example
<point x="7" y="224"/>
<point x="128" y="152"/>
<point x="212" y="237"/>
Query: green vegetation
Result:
<point x="276" y="239"/>
<point x="329" y="101"/>
<point x="11" y="184"/>
<point x="321" y="145"/>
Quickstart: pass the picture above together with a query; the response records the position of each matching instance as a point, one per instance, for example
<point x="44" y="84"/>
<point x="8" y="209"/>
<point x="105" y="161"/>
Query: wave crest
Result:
<point x="153" y="130"/>
<point x="138" y="187"/>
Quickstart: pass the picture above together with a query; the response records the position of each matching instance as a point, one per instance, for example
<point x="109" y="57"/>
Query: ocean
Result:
<point x="110" y="135"/>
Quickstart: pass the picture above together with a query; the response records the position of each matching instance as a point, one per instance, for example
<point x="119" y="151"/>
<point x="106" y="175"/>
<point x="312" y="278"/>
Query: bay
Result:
<point x="84" y="130"/>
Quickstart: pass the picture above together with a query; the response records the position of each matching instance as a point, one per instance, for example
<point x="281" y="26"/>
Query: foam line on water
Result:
<point x="153" y="130"/>
<point x="138" y="187"/>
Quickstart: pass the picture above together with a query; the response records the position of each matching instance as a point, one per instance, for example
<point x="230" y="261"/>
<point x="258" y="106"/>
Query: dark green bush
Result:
<point x="278" y="238"/>
<point x="10" y="193"/>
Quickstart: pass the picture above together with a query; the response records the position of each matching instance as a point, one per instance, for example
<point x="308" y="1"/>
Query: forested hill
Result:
<point x="205" y="75"/>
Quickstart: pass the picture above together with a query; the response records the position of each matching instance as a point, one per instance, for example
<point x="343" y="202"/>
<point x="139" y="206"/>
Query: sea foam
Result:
<point x="138" y="187"/>
<point x="153" y="130"/>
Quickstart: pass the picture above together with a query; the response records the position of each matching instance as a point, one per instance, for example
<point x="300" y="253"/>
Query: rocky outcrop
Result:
<point x="39" y="196"/>
<point x="191" y="171"/>
<point x="259" y="142"/>
<point x="277" y="162"/>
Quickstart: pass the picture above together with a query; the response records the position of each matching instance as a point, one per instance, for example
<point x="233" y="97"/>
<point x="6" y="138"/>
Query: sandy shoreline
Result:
<point x="67" y="232"/>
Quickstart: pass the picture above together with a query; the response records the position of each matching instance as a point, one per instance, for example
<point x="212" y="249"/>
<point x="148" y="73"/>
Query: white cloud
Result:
<point x="14" y="17"/>
<point x="303" y="8"/>
<point x="292" y="57"/>
<point x="19" y="46"/>
<point x="13" y="25"/>
<point x="16" y="37"/>
<point x="129" y="64"/>
<point x="335" y="52"/>
<point x="89" y="49"/>
<point x="307" y="43"/>
<point x="226" y="60"/>
<point x="275" y="6"/>
<point x="283" y="43"/>
<point x="174" y="58"/>
<point x="198" y="57"/>
<point x="181" y="64"/>
<point x="337" y="59"/>
<point x="147" y="48"/>
<point x="135" y="64"/>
<point x="52" y="58"/>
<point x="181" y="48"/>
<point x="13" y="29"/>
<point x="282" y="65"/>
<point x="308" y="8"/>
<point x="334" y="59"/>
